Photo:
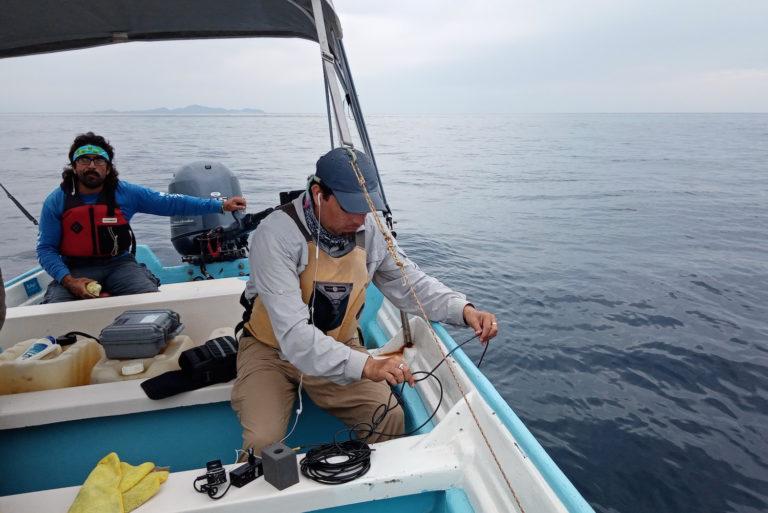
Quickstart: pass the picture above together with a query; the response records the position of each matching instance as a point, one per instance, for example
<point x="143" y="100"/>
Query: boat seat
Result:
<point x="200" y="304"/>
<point x="108" y="370"/>
<point x="226" y="331"/>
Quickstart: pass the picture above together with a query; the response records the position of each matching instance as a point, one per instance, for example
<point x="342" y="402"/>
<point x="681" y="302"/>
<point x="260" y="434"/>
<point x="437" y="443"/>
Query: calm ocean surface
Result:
<point x="626" y="257"/>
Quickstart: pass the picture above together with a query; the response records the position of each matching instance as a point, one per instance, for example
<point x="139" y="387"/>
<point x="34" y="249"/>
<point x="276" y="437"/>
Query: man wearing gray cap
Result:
<point x="311" y="261"/>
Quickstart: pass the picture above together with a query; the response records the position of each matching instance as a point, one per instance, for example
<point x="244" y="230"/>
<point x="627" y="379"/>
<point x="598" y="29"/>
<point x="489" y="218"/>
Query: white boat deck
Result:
<point x="398" y="468"/>
<point x="453" y="455"/>
<point x="92" y="401"/>
<point x="202" y="305"/>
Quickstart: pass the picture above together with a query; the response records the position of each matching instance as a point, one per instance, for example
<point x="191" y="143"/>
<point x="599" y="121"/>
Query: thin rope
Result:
<point x="406" y="281"/>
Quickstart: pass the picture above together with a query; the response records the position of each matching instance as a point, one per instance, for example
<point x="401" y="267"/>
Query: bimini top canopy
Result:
<point x="30" y="27"/>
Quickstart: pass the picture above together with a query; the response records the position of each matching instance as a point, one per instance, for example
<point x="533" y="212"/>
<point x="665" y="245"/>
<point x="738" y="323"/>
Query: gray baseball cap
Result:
<point x="334" y="169"/>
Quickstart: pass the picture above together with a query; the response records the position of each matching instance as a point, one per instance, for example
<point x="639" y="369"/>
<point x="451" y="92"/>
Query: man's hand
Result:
<point x="234" y="203"/>
<point x="77" y="286"/>
<point x="393" y="369"/>
<point x="484" y="323"/>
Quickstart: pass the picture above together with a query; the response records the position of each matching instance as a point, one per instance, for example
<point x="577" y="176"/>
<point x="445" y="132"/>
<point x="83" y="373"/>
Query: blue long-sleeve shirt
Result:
<point x="131" y="199"/>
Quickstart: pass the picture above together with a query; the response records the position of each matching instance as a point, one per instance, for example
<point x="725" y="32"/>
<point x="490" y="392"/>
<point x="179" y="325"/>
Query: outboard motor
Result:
<point x="210" y="237"/>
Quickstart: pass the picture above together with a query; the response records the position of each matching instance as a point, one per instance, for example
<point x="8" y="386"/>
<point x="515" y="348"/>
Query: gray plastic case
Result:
<point x="140" y="333"/>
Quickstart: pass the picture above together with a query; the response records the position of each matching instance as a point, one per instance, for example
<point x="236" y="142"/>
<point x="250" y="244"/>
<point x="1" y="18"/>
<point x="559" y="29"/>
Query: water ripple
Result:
<point x="624" y="256"/>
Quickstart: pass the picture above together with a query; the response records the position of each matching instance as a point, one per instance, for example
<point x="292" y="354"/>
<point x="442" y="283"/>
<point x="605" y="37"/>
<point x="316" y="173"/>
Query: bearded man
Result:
<point x="85" y="235"/>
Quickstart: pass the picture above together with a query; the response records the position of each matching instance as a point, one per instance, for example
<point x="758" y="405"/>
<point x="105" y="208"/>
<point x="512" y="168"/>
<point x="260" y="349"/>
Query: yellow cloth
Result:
<point x="117" y="487"/>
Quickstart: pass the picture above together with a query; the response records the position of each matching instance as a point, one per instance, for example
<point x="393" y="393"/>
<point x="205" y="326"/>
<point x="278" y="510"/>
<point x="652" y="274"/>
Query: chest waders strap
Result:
<point x="247" y="304"/>
<point x="290" y="209"/>
<point x="247" y="309"/>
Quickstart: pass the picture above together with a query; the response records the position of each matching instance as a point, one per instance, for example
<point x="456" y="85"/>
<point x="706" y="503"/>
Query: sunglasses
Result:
<point x="87" y="161"/>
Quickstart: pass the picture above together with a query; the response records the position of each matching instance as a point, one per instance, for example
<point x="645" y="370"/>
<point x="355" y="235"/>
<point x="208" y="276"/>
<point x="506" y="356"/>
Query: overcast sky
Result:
<point x="484" y="56"/>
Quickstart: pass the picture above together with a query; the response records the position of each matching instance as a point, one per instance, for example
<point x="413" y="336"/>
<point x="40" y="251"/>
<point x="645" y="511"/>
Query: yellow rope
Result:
<point x="407" y="282"/>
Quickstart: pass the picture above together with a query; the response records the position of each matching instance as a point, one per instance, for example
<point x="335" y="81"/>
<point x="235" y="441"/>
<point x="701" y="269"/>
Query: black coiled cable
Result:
<point x="341" y="462"/>
<point x="338" y="462"/>
<point x="210" y="490"/>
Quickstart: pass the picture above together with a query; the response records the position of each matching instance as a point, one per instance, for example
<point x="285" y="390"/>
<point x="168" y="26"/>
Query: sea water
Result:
<point x="626" y="257"/>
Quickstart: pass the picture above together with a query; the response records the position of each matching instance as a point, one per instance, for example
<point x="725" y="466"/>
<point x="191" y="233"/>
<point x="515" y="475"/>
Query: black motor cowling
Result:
<point x="195" y="237"/>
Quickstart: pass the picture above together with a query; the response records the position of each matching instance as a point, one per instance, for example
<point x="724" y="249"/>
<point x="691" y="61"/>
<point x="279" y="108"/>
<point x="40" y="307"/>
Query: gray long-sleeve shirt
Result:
<point x="278" y="256"/>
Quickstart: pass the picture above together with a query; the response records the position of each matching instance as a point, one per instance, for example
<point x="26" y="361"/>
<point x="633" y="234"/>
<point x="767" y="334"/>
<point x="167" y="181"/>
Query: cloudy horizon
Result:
<point x="492" y="56"/>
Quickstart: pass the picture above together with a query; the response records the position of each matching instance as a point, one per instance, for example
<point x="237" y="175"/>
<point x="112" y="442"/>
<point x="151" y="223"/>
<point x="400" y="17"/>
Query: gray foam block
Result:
<point x="279" y="464"/>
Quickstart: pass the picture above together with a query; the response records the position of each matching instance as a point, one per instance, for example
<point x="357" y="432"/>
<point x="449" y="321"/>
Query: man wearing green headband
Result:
<point x="85" y="235"/>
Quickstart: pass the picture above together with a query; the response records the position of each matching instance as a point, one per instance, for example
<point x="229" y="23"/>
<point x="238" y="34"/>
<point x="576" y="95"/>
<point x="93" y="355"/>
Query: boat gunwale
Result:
<point x="23" y="276"/>
<point x="554" y="476"/>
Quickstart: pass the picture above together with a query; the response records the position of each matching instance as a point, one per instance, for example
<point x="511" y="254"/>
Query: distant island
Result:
<point x="189" y="109"/>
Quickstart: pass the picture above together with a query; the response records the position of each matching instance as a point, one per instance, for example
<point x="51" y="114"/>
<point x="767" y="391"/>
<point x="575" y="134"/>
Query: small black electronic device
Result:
<point x="215" y="474"/>
<point x="246" y="472"/>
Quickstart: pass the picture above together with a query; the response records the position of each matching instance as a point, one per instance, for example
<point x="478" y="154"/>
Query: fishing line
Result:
<point x="379" y="414"/>
<point x="388" y="238"/>
<point x="341" y="462"/>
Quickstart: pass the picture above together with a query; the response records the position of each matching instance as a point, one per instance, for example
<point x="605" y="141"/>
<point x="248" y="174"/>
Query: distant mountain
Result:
<point x="189" y="109"/>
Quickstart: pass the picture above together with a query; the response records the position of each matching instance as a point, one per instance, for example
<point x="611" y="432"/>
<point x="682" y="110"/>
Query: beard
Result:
<point x="92" y="179"/>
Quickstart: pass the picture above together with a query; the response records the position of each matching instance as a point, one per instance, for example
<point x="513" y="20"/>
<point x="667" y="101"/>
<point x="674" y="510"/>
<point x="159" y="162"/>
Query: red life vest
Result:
<point x="99" y="230"/>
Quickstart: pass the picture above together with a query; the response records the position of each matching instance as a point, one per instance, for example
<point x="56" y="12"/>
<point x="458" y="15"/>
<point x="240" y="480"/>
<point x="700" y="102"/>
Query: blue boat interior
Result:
<point x="186" y="438"/>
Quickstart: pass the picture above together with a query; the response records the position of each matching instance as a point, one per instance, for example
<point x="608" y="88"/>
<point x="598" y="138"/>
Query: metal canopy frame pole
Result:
<point x="357" y="111"/>
<point x="327" y="95"/>
<point x="344" y="71"/>
<point x="330" y="73"/>
<point x="349" y="87"/>
<point x="337" y="70"/>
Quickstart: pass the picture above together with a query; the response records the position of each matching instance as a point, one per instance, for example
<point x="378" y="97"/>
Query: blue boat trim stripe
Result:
<point x="23" y="276"/>
<point x="562" y="486"/>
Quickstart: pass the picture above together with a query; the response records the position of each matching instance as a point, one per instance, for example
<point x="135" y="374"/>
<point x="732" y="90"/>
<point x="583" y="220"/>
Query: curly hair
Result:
<point x="68" y="175"/>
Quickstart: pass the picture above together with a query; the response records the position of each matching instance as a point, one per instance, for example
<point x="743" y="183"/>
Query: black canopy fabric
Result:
<point x="30" y="27"/>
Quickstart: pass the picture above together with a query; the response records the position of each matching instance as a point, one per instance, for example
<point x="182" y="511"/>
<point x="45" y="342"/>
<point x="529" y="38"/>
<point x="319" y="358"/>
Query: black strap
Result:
<point x="109" y="199"/>
<point x="168" y="384"/>
<point x="247" y="309"/>
<point x="94" y="238"/>
<point x="290" y="209"/>
<point x="71" y="201"/>
<point x="133" y="240"/>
